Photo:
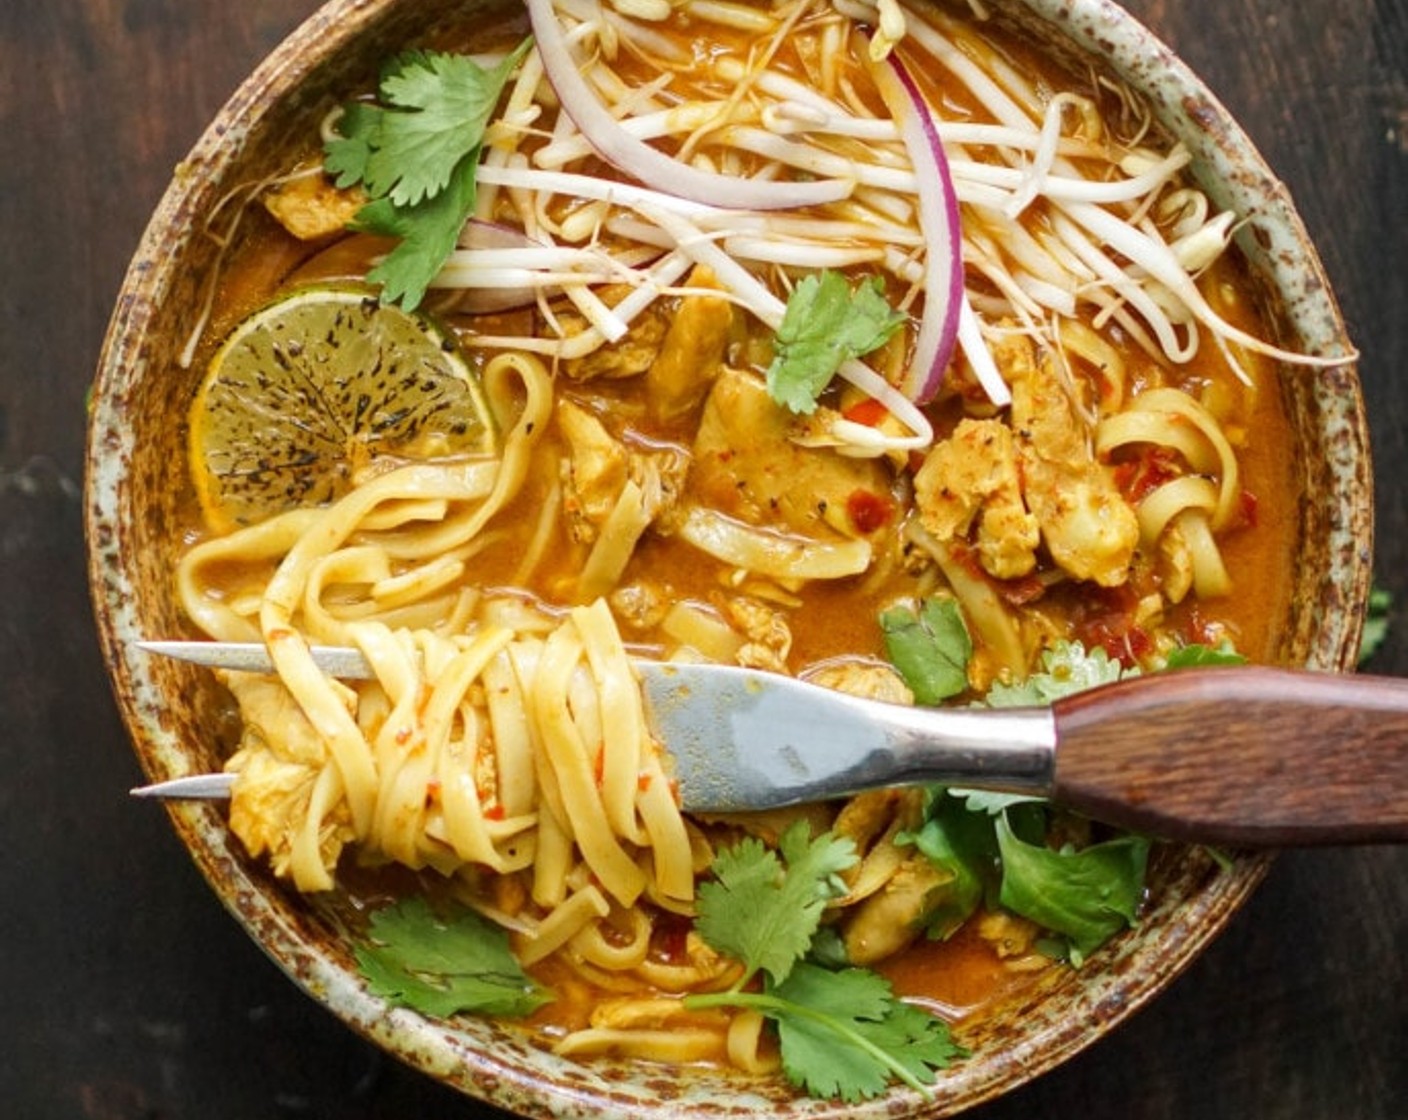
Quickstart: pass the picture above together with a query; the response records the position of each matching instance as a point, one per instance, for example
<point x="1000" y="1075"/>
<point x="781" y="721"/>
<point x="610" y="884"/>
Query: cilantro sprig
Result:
<point x="825" y="324"/>
<point x="842" y="1033"/>
<point x="441" y="966"/>
<point x="416" y="154"/>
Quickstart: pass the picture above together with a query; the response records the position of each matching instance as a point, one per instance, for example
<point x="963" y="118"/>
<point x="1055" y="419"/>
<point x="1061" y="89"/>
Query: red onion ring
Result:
<point x="938" y="221"/>
<point x="644" y="163"/>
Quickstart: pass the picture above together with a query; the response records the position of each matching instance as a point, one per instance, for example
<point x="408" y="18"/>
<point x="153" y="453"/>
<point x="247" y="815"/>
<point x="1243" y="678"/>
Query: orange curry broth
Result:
<point x="834" y="619"/>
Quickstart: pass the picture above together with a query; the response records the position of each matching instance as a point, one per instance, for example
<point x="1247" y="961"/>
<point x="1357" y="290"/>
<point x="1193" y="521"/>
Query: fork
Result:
<point x="1244" y="755"/>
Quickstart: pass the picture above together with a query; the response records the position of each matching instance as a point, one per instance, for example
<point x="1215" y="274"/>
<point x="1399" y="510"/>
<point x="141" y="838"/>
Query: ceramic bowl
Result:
<point x="136" y="476"/>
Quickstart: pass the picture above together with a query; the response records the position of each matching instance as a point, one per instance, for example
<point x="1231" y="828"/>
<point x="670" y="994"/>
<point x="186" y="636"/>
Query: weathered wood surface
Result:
<point x="129" y="993"/>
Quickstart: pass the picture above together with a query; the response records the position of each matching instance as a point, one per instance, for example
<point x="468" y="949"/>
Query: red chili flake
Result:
<point x="1247" y="514"/>
<point x="643" y="781"/>
<point x="432" y="791"/>
<point x="495" y="813"/>
<point x="868" y="511"/>
<point x="868" y="411"/>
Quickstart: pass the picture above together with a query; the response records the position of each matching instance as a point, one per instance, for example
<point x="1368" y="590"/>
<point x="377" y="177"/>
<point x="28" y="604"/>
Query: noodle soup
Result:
<point x="616" y="418"/>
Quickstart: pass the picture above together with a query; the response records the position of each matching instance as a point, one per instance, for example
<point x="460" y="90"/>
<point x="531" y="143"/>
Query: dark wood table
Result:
<point x="127" y="992"/>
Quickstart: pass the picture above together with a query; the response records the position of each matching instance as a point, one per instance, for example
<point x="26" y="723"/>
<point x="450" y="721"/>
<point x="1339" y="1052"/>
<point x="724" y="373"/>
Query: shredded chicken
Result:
<point x="894" y="916"/>
<point x="631" y="355"/>
<point x="593" y="473"/>
<point x="870" y="680"/>
<point x="769" y="639"/>
<point x="973" y="475"/>
<point x="692" y="353"/>
<point x="1089" y="529"/>
<point x="276" y="773"/>
<point x="598" y="465"/>
<point x="310" y="207"/>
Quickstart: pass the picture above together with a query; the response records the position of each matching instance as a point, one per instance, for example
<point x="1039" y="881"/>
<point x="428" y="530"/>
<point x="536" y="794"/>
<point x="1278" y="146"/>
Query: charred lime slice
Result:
<point x="318" y="387"/>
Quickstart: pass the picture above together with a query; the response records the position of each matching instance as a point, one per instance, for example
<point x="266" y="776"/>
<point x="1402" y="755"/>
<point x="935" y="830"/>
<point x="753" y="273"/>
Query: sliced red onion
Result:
<point x="638" y="159"/>
<point x="938" y="221"/>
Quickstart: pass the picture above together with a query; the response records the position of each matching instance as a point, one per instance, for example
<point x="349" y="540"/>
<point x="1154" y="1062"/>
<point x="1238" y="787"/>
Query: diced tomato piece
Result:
<point x="868" y="411"/>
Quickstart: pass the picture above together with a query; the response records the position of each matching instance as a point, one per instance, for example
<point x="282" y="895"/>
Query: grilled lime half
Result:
<point x="318" y="387"/>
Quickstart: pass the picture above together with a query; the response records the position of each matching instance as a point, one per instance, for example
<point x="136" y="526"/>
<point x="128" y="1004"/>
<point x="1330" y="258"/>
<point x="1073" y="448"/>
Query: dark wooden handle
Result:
<point x="1243" y="756"/>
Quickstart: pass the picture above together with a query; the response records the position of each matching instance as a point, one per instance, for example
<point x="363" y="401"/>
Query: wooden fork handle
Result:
<point x="1240" y="756"/>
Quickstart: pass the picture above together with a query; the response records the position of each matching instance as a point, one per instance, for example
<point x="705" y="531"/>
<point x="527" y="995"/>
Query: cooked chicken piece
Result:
<point x="640" y="606"/>
<point x="692" y="353"/>
<point x="894" y="916"/>
<point x="866" y="815"/>
<point x="661" y="474"/>
<point x="870" y="680"/>
<point x="310" y="207"/>
<point x="598" y="465"/>
<point x="973" y="475"/>
<point x="769" y="637"/>
<point x="747" y="466"/>
<point x="1009" y="935"/>
<point x="592" y="474"/>
<point x="276" y="775"/>
<point x="631" y="355"/>
<point x="1089" y="529"/>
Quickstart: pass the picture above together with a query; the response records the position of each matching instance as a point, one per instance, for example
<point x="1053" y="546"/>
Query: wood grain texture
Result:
<point x="1295" y="759"/>
<point x="129" y="993"/>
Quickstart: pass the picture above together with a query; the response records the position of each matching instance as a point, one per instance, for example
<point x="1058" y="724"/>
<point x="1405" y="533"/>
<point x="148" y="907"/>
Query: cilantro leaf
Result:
<point x="825" y="324"/>
<point x="345" y="156"/>
<point x="1086" y="895"/>
<point x="1066" y="668"/>
<point x="844" y="1034"/>
<point x="438" y="106"/>
<point x="428" y="232"/>
<point x="764" y="913"/>
<point x="1198" y="656"/>
<point x="930" y="650"/>
<point x="416" y="154"/>
<point x="443" y="966"/>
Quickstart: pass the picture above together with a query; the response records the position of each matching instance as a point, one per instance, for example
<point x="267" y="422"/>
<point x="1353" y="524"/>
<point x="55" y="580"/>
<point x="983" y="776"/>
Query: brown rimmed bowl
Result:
<point x="136" y="476"/>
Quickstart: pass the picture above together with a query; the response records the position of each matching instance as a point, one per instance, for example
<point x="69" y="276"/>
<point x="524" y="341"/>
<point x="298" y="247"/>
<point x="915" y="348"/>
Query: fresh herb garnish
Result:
<point x="416" y="154"/>
<point x="842" y="1033"/>
<point x="825" y="324"/>
<point x="1086" y="895"/>
<point x="994" y="844"/>
<point x="1203" y="657"/>
<point x="443" y="966"/>
<point x="764" y="912"/>
<point x="1066" y="668"/>
<point x="1375" y="623"/>
<point x="929" y="649"/>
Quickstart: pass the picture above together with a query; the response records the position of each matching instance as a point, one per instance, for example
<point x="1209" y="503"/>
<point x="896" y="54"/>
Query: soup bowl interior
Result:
<point x="137" y="483"/>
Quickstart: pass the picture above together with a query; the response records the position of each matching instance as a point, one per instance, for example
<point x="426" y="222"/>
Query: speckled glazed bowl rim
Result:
<point x="1039" y="1028"/>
